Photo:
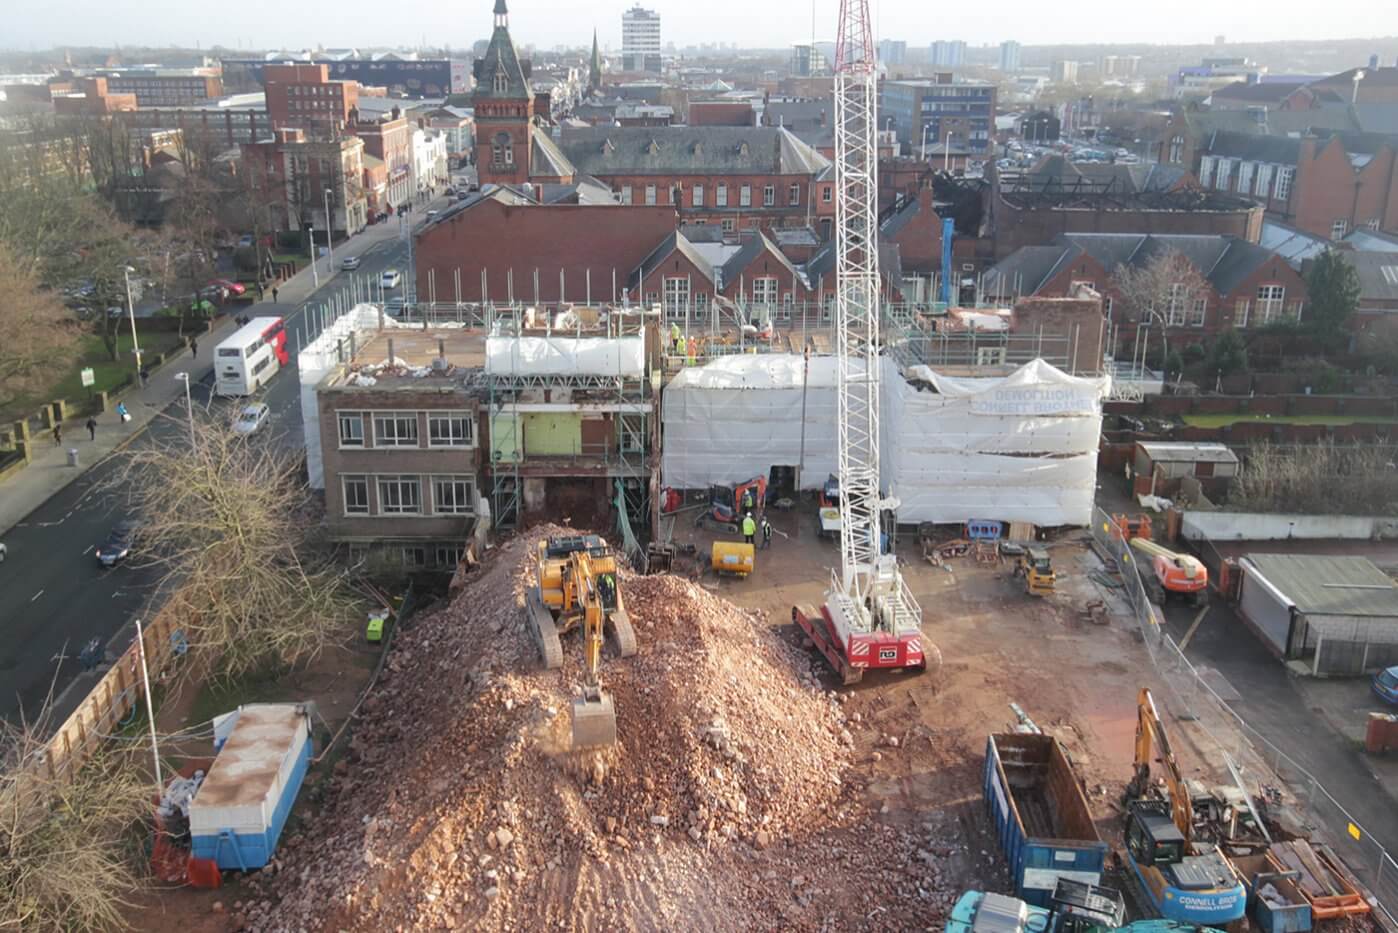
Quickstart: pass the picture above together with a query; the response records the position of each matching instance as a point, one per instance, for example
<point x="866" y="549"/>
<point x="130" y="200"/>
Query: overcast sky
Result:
<point x="258" y="24"/>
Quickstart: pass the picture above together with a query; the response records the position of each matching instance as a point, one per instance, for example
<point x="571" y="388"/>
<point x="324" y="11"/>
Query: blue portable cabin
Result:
<point x="1040" y="814"/>
<point x="238" y="814"/>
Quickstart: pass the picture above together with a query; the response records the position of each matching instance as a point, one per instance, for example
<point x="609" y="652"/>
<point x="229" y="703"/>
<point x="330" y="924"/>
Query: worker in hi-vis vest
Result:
<point x="749" y="528"/>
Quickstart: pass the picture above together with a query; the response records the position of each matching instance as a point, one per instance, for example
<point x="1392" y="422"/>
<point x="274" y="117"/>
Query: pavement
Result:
<point x="54" y="596"/>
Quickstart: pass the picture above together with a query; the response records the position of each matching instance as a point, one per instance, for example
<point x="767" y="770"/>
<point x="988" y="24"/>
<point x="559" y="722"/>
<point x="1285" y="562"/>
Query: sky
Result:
<point x="261" y="24"/>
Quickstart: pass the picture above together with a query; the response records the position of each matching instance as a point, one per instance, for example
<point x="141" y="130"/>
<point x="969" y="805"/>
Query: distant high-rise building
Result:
<point x="1009" y="56"/>
<point x="1064" y="72"/>
<point x="1120" y="66"/>
<point x="806" y="61"/>
<point x="949" y="53"/>
<point x="640" y="40"/>
<point x="893" y="51"/>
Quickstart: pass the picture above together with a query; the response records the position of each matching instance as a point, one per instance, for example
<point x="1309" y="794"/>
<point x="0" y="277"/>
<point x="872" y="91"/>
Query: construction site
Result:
<point x="811" y="626"/>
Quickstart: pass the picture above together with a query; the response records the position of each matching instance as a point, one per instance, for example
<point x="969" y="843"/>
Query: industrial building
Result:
<point x="940" y="109"/>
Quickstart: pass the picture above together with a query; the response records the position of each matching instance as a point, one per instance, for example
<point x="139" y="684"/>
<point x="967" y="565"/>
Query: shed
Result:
<point x="240" y="809"/>
<point x="1158" y="467"/>
<point x="1336" y="614"/>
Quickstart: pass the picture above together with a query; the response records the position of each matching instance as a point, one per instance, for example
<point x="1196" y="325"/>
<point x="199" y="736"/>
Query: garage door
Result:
<point x="1267" y="610"/>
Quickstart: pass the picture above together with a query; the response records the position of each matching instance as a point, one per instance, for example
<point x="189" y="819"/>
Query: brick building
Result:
<point x="721" y="113"/>
<point x="164" y="87"/>
<point x="293" y="173"/>
<point x="1326" y="184"/>
<point x="504" y="108"/>
<point x="390" y="140"/>
<point x="1248" y="285"/>
<point x="89" y="97"/>
<point x="304" y="97"/>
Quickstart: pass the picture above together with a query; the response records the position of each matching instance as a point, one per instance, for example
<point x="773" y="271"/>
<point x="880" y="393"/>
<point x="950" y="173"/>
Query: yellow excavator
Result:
<point x="577" y="587"/>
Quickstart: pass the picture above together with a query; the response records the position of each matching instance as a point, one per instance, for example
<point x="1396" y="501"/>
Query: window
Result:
<point x="701" y="304"/>
<point x="1284" y="177"/>
<point x="1245" y="170"/>
<point x="764" y="290"/>
<point x="825" y="193"/>
<point x="721" y="196"/>
<point x="395" y="429"/>
<point x="1206" y="171"/>
<point x="1339" y="228"/>
<point x="502" y="82"/>
<point x="676" y="290"/>
<point x="990" y="356"/>
<point x="745" y="196"/>
<point x="1374" y="224"/>
<point x="793" y="195"/>
<point x="356" y="491"/>
<point x="1177" y="149"/>
<point x="1198" y="310"/>
<point x="728" y="225"/>
<point x="400" y="495"/>
<point x="449" y="429"/>
<point x="1269" y="303"/>
<point x="697" y="196"/>
<point x="1175" y="309"/>
<point x="453" y="495"/>
<point x="351" y="429"/>
<point x="1107" y="306"/>
<point x="415" y="558"/>
<point x="769" y="196"/>
<point x="1262" y="187"/>
<point x="625" y="194"/>
<point x="448" y="555"/>
<point x="261" y="364"/>
<point x="1224" y="176"/>
<point x="1240" y="312"/>
<point x="650" y="194"/>
<point x="501" y="150"/>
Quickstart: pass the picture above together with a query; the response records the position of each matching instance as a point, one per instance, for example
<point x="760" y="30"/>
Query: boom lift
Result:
<point x="577" y="588"/>
<point x="1171" y="573"/>
<point x="1184" y="881"/>
<point x="870" y="618"/>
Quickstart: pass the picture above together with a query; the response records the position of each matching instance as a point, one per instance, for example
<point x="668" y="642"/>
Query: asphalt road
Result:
<point x="54" y="595"/>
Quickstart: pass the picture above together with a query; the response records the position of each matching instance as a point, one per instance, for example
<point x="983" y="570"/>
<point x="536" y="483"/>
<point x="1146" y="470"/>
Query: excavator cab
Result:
<point x="1151" y="834"/>
<point x="728" y="504"/>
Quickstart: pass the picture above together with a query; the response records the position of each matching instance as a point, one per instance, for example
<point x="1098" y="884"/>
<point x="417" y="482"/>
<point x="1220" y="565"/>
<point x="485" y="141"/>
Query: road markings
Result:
<point x="89" y="549"/>
<point x="36" y="596"/>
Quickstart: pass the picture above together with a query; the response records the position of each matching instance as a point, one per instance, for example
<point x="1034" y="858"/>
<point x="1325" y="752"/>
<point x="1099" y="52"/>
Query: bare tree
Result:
<point x="232" y="524"/>
<point x="65" y="863"/>
<point x="1167" y="289"/>
<point x="1324" y="478"/>
<point x="38" y="336"/>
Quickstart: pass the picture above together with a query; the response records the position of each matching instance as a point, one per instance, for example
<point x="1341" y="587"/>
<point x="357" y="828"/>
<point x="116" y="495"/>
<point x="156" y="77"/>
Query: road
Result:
<point x="54" y="595"/>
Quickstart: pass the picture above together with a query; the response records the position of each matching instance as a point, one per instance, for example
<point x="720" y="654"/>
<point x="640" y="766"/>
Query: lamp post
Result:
<point x="925" y="128"/>
<point x="946" y="153"/>
<point x="131" y="313"/>
<point x="329" y="237"/>
<point x="315" y="270"/>
<point x="188" y="404"/>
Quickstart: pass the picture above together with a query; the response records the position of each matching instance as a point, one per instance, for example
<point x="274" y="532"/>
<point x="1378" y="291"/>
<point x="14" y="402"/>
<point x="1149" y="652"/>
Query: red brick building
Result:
<point x="721" y="113"/>
<point x="390" y="140"/>
<point x="1327" y="184"/>
<point x="1247" y="285"/>
<point x="303" y="96"/>
<point x="504" y="108"/>
<point x="89" y="97"/>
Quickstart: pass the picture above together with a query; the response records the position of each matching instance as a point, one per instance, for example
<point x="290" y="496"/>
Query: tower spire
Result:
<point x="594" y="70"/>
<point x="502" y="15"/>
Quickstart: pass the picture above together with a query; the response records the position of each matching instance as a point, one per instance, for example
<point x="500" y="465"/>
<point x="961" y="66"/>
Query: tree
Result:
<point x="1166" y="289"/>
<point x="38" y="336"/>
<point x="231" y="523"/>
<point x="1332" y="289"/>
<point x="1228" y="354"/>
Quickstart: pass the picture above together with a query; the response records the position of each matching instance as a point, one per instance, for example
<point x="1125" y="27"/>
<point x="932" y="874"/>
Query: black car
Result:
<point x="118" y="545"/>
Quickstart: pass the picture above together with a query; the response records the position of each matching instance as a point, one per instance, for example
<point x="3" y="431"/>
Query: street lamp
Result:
<point x="329" y="236"/>
<point x="131" y="312"/>
<point x="188" y="404"/>
<point x="946" y="153"/>
<point x="925" y="128"/>
<point x="315" y="270"/>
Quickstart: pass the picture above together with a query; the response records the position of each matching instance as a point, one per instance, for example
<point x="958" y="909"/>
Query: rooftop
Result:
<point x="246" y="769"/>
<point x="413" y="352"/>
<point x="1324" y="584"/>
<point x="1187" y="452"/>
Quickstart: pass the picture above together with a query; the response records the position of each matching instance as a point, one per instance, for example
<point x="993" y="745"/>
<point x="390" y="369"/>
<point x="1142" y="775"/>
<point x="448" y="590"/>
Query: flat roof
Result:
<point x="246" y="768"/>
<point x="1328" y="584"/>
<point x="414" y="350"/>
<point x="1187" y="452"/>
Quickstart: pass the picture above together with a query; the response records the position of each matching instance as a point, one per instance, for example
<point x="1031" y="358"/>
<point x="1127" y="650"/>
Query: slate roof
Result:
<point x="1328" y="584"/>
<point x="1244" y="92"/>
<point x="750" y="249"/>
<point x="1275" y="122"/>
<point x="1026" y="269"/>
<point x="1378" y="274"/>
<point x="1055" y="171"/>
<point x="674" y="243"/>
<point x="1373" y="241"/>
<point x="546" y="159"/>
<point x="1282" y="150"/>
<point x="800" y="114"/>
<point x="1377" y="118"/>
<point x="684" y="150"/>
<point x="501" y="57"/>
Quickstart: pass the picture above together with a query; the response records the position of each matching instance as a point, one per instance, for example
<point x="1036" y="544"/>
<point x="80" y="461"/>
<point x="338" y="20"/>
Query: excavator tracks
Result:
<point x="544" y="629"/>
<point x="622" y="633"/>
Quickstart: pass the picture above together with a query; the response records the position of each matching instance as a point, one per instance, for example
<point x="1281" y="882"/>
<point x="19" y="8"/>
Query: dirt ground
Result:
<point x="912" y="769"/>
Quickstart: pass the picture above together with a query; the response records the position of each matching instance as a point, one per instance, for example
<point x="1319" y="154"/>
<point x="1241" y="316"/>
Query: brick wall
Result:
<point x="1079" y="321"/>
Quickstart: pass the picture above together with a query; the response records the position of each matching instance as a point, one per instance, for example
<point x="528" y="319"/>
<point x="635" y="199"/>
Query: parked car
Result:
<point x="235" y="289"/>
<point x="245" y="240"/>
<point x="349" y="263"/>
<point x="214" y="293"/>
<point x="394" y="307"/>
<point x="432" y="213"/>
<point x="251" y="417"/>
<point x="1386" y="684"/>
<point x="119" y="543"/>
<point x="391" y="278"/>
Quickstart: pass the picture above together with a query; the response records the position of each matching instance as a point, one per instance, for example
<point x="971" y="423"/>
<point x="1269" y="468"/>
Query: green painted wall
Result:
<point x="552" y="434"/>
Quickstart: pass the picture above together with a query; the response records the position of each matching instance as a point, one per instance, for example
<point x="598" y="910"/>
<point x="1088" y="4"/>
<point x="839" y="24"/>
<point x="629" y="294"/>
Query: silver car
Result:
<point x="251" y="418"/>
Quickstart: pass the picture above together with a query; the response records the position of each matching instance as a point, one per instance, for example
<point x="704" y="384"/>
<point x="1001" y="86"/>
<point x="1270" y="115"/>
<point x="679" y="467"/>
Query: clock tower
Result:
<point x="504" y="105"/>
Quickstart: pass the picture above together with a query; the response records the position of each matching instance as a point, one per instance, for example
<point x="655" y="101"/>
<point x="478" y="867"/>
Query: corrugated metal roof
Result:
<point x="1186" y="452"/>
<point x="246" y="767"/>
<point x="1327" y="584"/>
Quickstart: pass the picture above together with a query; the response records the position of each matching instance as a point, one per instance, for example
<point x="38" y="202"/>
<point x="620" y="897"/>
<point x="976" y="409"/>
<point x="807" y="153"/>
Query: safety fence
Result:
<point x="1194" y="698"/>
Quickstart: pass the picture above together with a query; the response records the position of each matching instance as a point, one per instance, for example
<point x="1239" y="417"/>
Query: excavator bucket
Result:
<point x="594" y="721"/>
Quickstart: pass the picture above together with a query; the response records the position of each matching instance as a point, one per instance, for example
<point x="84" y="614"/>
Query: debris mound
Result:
<point x="460" y="805"/>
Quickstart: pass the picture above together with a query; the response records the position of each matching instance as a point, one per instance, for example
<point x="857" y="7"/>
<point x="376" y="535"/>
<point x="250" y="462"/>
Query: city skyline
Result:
<point x="547" y="23"/>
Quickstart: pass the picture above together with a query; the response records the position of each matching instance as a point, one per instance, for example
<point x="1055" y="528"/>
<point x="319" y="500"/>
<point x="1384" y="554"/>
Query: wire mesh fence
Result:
<point x="1193" y="697"/>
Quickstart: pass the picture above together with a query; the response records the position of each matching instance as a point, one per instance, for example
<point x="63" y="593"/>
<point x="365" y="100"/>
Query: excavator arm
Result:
<point x="594" y="717"/>
<point x="1151" y="736"/>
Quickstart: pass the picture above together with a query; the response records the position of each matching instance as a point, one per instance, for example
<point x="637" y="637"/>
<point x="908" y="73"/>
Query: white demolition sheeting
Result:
<point x="565" y="356"/>
<point x="740" y="415"/>
<point x="1017" y="448"/>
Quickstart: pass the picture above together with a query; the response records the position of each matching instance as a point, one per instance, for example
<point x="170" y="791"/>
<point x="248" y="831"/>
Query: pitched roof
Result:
<point x="1378" y="274"/>
<point x="1025" y="270"/>
<point x="1328" y="584"/>
<point x="501" y="58"/>
<point x="1283" y="150"/>
<point x="674" y="243"/>
<point x="751" y="248"/>
<point x="1276" y="122"/>
<point x="1055" y="172"/>
<point x="714" y="150"/>
<point x="546" y="159"/>
<point x="799" y="114"/>
<point x="1273" y="93"/>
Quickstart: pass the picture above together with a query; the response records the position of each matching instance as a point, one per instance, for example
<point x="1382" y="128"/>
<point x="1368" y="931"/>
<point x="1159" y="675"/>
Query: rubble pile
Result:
<point x="727" y="802"/>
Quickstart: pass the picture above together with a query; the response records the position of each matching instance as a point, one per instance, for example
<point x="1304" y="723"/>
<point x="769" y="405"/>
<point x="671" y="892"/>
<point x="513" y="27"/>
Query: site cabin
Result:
<point x="249" y="357"/>
<point x="241" y="808"/>
<point x="1040" y="815"/>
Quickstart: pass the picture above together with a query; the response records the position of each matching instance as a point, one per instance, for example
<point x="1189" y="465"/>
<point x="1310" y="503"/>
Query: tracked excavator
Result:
<point x="577" y="588"/>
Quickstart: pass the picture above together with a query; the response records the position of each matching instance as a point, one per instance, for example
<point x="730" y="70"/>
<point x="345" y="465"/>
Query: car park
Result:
<point x="117" y="547"/>
<point x="250" y="418"/>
